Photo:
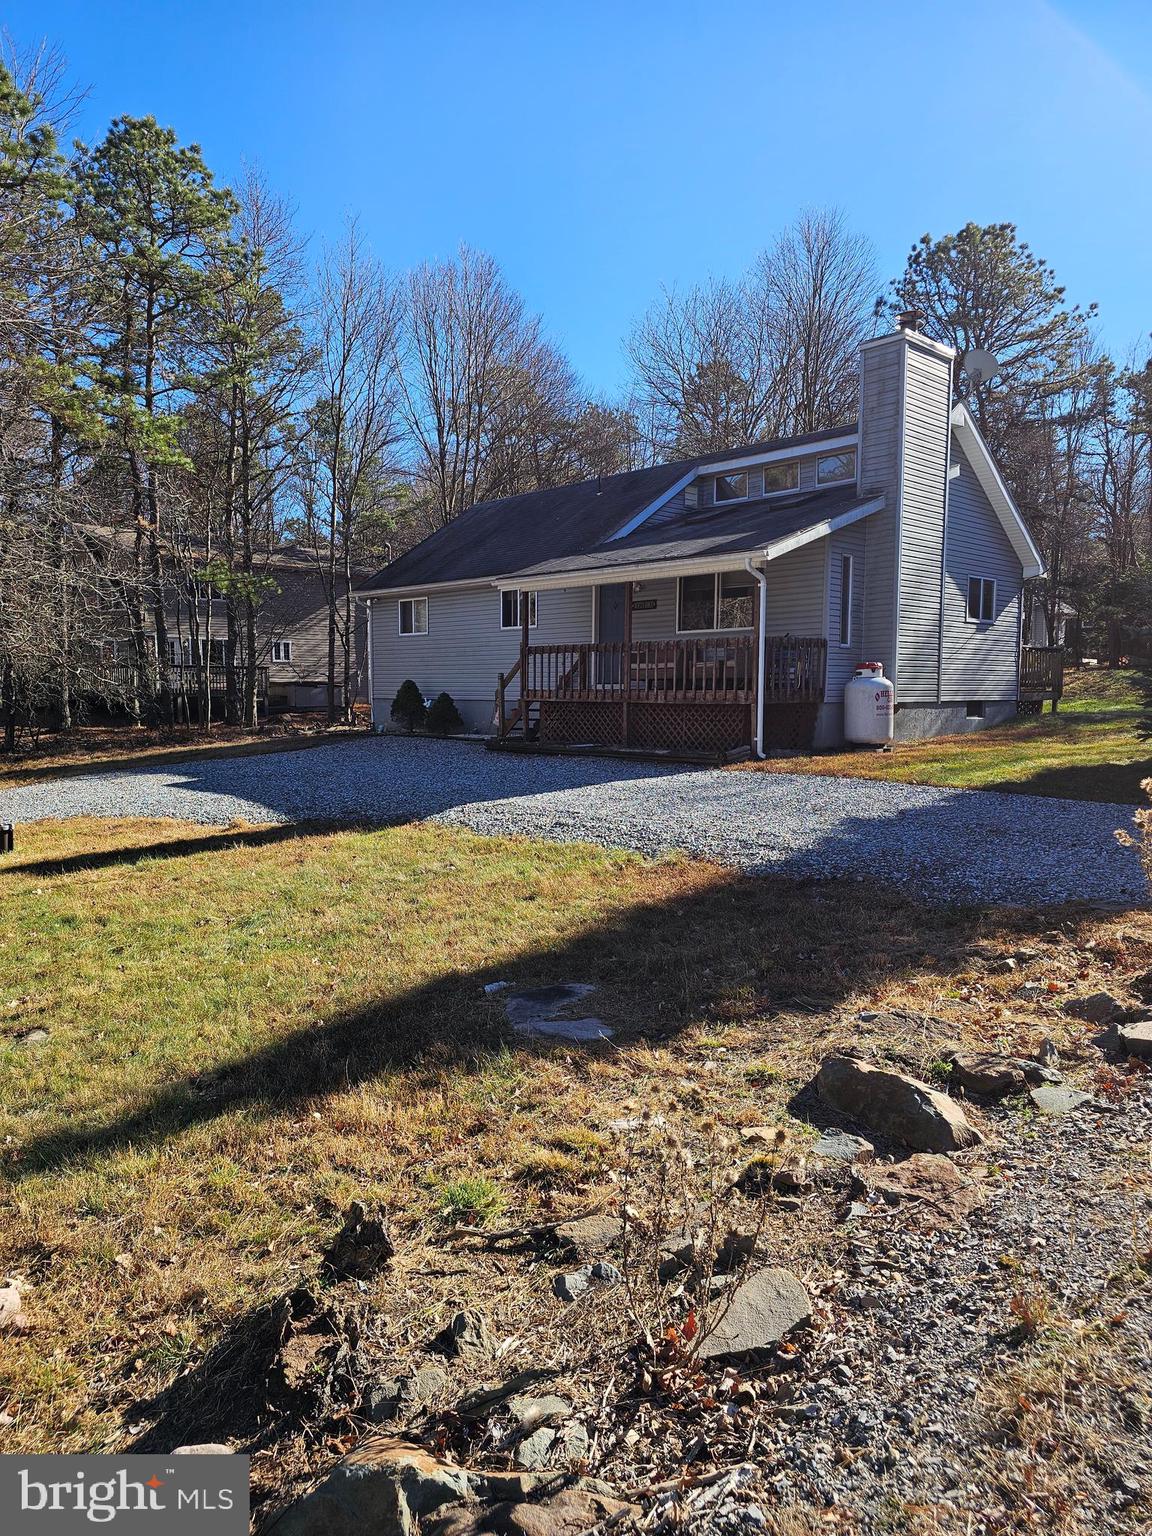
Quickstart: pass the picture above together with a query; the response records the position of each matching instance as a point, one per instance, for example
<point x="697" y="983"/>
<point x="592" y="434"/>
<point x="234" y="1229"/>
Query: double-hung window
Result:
<point x="512" y="609"/>
<point x="413" y="615"/>
<point x="726" y="600"/>
<point x="981" y="600"/>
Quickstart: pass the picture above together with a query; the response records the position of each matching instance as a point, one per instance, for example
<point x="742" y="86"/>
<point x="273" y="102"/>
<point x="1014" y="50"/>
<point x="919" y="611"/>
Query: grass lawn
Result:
<point x="210" y="1043"/>
<point x="1098" y="746"/>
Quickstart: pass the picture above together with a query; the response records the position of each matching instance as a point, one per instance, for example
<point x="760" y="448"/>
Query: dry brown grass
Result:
<point x="247" y="1029"/>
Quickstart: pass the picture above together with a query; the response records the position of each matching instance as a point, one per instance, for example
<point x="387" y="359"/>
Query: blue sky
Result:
<point x="600" y="150"/>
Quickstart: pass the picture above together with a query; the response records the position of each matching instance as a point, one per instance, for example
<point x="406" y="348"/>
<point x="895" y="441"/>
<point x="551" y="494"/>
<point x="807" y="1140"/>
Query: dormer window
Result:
<point x="834" y="468"/>
<point x="731" y="487"/>
<point x="781" y="476"/>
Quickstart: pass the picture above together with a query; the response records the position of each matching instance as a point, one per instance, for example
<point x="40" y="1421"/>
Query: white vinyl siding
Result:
<point x="927" y="402"/>
<point x="465" y="648"/>
<point x="842" y="659"/>
<point x="881" y="399"/>
<point x="979" y="659"/>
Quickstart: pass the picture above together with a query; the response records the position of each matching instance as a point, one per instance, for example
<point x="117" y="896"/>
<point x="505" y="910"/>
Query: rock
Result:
<point x="466" y="1334"/>
<point x="1059" y="1101"/>
<point x="1030" y="989"/>
<point x="538" y="1011"/>
<point x="531" y="1412"/>
<point x="591" y="1237"/>
<point x="1097" y="1008"/>
<point x="202" y="1450"/>
<point x="572" y="1286"/>
<point x="388" y="1398"/>
<point x="987" y="1075"/>
<point x="630" y="1123"/>
<point x="570" y="1512"/>
<point x="763" y="1309"/>
<point x="33" y="1037"/>
<point x="1047" y="1054"/>
<point x="1004" y="967"/>
<point x="1134" y="1039"/>
<point x="386" y="1486"/>
<point x="533" y="1451"/>
<point x="937" y="1192"/>
<point x="1142" y="985"/>
<point x="895" y="1105"/>
<point x="840" y="1147"/>
<point x="362" y="1247"/>
<point x="12" y="1315"/>
<point x="482" y="1401"/>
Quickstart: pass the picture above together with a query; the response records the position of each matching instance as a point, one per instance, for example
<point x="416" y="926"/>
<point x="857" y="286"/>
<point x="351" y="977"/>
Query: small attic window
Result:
<point x="782" y="476"/>
<point x="832" y="468"/>
<point x="732" y="487"/>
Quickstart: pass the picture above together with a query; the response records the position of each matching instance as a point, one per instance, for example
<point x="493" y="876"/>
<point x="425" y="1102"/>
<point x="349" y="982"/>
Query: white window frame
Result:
<point x="729" y="501"/>
<point x="281" y="651"/>
<point x="826" y="458"/>
<point x="533" y="608"/>
<point x="980" y="621"/>
<point x="716" y="576"/>
<point x="782" y="490"/>
<point x="413" y="633"/>
<point x="844" y="615"/>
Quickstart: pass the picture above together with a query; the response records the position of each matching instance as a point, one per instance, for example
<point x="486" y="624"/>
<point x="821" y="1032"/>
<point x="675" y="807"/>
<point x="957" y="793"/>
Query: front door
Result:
<point x="610" y="629"/>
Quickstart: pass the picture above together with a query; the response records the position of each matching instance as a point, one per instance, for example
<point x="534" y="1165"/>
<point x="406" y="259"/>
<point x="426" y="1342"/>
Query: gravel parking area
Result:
<point x="951" y="845"/>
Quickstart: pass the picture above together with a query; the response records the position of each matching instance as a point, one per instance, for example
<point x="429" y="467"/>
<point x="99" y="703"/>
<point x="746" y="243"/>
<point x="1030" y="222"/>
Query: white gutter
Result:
<point x="761" y="650"/>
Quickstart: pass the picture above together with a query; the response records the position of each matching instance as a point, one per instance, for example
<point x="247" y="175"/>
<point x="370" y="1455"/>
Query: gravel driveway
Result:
<point x="951" y="845"/>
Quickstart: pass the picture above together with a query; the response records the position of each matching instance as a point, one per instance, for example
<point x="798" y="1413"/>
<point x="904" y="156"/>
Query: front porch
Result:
<point x="689" y="698"/>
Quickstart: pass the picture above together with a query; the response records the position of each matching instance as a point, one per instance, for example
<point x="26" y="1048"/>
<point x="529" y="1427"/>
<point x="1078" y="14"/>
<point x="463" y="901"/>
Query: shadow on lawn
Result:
<point x="211" y="842"/>
<point x="732" y="949"/>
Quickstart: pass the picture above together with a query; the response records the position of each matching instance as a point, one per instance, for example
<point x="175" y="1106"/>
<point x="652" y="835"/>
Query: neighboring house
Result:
<point x="722" y="603"/>
<point x="291" y="637"/>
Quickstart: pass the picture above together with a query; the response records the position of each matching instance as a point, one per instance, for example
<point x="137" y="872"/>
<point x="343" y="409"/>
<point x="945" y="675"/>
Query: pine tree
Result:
<point x="408" y="706"/>
<point x="444" y="719"/>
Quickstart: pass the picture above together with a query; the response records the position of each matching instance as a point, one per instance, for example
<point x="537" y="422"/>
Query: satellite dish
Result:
<point x="980" y="366"/>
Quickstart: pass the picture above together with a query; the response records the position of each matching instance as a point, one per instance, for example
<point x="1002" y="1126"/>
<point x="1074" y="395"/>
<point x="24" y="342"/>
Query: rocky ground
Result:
<point x="960" y="1341"/>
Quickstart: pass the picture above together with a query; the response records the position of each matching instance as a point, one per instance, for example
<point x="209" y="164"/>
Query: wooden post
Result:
<point x="627" y="668"/>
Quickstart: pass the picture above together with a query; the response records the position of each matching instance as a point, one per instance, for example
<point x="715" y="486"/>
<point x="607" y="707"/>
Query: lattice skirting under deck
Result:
<point x="651" y="727"/>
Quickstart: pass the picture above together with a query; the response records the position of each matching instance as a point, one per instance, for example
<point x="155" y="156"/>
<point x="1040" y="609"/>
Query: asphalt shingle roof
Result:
<point x="710" y="532"/>
<point x="497" y="538"/>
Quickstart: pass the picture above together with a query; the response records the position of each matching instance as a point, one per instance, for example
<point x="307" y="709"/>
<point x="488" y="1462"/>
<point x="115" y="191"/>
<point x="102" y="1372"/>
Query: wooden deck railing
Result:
<point x="126" y="678"/>
<point x="708" y="670"/>
<point x="1042" y="671"/>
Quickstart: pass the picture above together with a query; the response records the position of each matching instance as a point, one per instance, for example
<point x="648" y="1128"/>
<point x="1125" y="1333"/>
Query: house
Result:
<point x="291" y="632"/>
<point x="720" y="604"/>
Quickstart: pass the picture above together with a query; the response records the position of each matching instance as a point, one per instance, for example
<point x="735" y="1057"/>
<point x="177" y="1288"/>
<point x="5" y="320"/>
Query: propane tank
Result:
<point x="869" y="705"/>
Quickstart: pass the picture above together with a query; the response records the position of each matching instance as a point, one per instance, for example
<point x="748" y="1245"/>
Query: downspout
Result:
<point x="368" y="649"/>
<point x="761" y="649"/>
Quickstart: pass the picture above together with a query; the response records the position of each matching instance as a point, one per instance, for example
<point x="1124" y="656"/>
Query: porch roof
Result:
<point x="706" y="538"/>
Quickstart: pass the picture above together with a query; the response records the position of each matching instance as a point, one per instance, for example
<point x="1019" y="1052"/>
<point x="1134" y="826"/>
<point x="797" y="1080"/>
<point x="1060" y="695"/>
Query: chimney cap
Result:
<point x="909" y="320"/>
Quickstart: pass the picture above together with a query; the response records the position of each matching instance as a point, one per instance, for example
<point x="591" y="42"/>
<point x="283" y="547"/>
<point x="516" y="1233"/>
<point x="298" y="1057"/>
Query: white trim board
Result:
<point x="985" y="468"/>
